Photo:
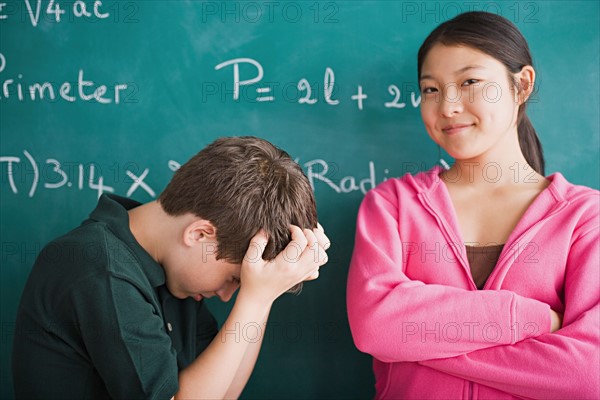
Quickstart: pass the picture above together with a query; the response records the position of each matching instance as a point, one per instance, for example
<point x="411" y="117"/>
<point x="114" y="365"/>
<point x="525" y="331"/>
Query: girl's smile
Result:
<point x="454" y="129"/>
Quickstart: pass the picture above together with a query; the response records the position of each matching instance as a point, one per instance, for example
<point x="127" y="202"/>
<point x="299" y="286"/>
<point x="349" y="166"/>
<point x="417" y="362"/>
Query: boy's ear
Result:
<point x="199" y="231"/>
<point x="525" y="80"/>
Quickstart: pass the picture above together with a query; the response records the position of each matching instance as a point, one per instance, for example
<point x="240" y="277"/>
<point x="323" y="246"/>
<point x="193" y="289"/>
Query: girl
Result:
<point x="480" y="281"/>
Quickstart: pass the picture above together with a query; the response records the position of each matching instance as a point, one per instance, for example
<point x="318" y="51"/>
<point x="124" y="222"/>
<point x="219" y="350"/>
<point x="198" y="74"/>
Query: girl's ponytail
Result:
<point x="530" y="143"/>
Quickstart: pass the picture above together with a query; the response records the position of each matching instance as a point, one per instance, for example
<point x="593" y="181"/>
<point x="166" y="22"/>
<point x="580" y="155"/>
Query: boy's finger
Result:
<point x="310" y="237"/>
<point x="298" y="237"/>
<point x="323" y="257"/>
<point x="257" y="246"/>
<point x="322" y="238"/>
<point x="294" y="249"/>
<point x="316" y="249"/>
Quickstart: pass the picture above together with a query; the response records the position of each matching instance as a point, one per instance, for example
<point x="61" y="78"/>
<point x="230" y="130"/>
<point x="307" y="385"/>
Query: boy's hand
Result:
<point x="299" y="261"/>
<point x="324" y="244"/>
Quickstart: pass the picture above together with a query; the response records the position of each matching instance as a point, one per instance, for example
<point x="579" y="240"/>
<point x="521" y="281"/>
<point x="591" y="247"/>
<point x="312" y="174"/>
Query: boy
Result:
<point x="114" y="308"/>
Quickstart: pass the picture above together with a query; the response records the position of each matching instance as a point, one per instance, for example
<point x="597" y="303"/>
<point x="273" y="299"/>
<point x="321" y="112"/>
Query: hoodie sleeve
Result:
<point x="564" y="364"/>
<point x="394" y="318"/>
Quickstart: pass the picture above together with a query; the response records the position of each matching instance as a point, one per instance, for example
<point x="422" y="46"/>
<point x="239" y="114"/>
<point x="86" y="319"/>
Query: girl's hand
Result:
<point x="557" y="320"/>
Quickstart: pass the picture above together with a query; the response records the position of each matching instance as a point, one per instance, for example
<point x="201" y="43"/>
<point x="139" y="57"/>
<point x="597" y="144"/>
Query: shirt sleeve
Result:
<point x="390" y="314"/>
<point x="564" y="364"/>
<point x="125" y="338"/>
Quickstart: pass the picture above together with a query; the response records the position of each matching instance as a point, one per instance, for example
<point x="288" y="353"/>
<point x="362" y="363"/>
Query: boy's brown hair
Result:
<point x="240" y="185"/>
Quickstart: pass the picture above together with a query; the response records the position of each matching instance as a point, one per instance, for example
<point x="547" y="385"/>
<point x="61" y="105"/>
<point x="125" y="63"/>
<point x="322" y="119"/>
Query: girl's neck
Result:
<point x="502" y="166"/>
<point x="491" y="174"/>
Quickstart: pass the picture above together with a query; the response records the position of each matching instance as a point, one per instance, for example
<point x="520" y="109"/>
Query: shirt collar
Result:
<point x="112" y="210"/>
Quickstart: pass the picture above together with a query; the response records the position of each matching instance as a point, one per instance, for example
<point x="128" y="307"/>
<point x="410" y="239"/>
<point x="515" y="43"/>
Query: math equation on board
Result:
<point x="251" y="87"/>
<point x="24" y="174"/>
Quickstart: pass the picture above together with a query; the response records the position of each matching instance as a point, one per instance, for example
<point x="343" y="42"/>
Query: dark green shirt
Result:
<point x="97" y="321"/>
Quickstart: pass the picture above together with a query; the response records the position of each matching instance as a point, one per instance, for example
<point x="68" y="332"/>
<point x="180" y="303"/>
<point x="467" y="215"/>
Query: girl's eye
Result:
<point x="429" y="90"/>
<point x="469" y="82"/>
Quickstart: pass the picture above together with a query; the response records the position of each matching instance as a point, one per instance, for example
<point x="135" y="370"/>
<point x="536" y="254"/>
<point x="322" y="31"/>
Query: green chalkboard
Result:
<point x="115" y="95"/>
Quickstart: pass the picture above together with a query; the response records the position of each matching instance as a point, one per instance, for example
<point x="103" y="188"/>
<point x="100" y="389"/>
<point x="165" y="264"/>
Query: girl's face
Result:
<point x="468" y="105"/>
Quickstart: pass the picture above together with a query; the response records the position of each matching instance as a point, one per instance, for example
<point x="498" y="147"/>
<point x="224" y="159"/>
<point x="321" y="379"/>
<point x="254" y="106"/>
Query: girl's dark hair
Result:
<point x="499" y="38"/>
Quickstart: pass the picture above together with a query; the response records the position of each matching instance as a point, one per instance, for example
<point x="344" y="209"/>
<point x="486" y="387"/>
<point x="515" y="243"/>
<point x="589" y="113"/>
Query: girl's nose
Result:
<point x="450" y="101"/>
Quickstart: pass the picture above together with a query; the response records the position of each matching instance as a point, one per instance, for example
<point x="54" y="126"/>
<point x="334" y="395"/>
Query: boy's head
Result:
<point x="240" y="185"/>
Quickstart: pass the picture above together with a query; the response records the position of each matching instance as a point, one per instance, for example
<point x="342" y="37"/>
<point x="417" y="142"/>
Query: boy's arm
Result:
<point x="247" y="366"/>
<point x="249" y="360"/>
<point x="225" y="366"/>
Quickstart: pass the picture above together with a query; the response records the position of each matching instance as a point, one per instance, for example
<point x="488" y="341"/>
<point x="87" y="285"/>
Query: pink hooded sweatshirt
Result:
<point x="413" y="305"/>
